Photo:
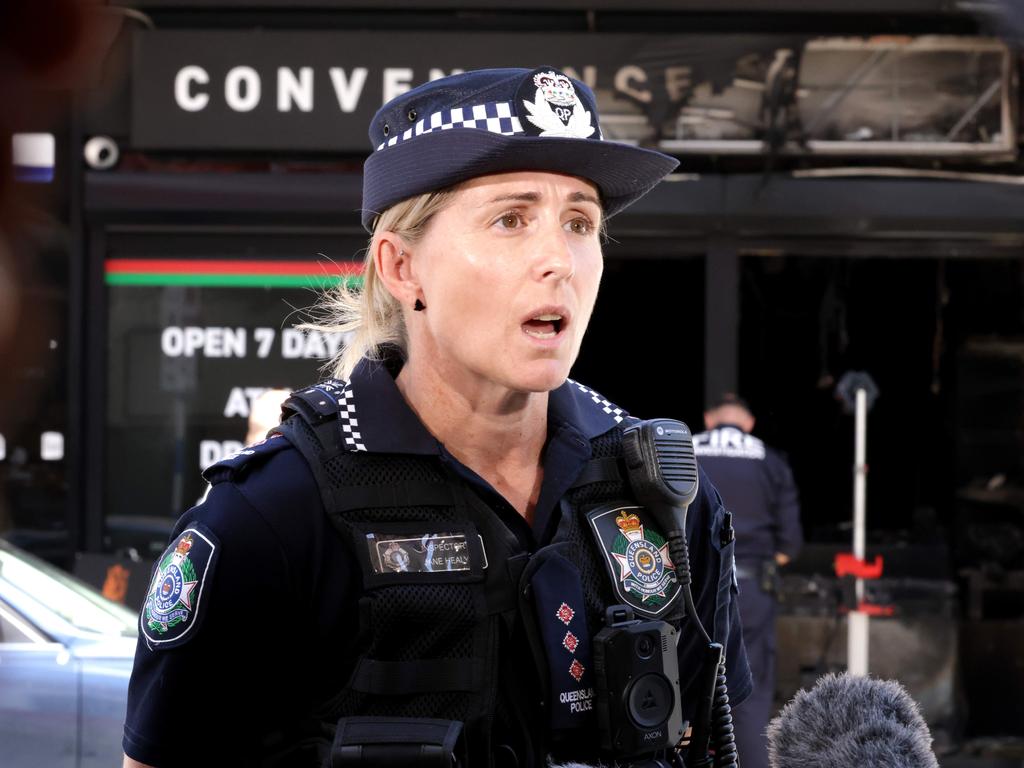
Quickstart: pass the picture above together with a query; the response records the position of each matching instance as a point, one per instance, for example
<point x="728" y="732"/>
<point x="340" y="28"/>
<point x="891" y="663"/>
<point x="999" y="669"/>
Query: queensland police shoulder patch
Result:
<point x="171" y="611"/>
<point x="637" y="557"/>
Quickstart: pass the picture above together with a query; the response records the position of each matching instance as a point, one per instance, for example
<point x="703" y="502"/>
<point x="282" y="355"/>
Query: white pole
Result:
<point x="857" y="647"/>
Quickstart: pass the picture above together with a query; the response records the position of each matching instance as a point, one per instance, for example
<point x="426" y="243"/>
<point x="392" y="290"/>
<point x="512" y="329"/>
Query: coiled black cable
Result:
<point x="723" y="732"/>
<point x="726" y="755"/>
<point x="680" y="553"/>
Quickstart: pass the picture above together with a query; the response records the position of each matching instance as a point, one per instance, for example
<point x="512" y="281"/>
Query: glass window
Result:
<point x="14" y="628"/>
<point x="199" y="328"/>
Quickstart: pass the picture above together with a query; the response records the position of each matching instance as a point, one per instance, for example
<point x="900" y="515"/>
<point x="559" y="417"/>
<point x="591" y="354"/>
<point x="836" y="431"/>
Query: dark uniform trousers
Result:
<point x="757" y="608"/>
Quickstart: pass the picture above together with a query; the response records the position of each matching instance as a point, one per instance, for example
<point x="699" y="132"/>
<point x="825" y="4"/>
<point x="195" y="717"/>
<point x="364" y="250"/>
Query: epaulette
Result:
<point x="316" y="403"/>
<point x="230" y="467"/>
<point x="319" y="406"/>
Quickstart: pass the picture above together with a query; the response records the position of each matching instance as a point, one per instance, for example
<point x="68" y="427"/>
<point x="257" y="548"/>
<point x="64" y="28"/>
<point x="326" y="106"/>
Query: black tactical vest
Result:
<point x="453" y="645"/>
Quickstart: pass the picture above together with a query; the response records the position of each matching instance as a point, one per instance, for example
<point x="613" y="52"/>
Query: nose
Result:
<point x="555" y="258"/>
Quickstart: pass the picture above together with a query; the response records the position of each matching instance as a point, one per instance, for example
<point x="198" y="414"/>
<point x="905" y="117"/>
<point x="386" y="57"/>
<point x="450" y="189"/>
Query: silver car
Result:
<point x="65" y="658"/>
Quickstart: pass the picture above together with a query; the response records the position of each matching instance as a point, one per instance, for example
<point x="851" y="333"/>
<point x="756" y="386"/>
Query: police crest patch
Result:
<point x="637" y="557"/>
<point x="171" y="610"/>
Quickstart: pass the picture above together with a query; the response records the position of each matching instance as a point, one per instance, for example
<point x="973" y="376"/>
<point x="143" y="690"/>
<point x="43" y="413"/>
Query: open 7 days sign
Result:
<point x="317" y="91"/>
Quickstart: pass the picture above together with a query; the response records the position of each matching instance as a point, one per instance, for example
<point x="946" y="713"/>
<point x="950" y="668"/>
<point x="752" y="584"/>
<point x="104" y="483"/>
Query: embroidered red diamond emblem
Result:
<point x="570" y="641"/>
<point x="576" y="670"/>
<point x="564" y="614"/>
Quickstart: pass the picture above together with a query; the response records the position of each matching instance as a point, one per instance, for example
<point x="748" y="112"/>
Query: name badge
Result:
<point x="428" y="553"/>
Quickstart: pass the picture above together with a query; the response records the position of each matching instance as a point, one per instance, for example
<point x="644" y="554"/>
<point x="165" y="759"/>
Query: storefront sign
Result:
<point x="319" y="90"/>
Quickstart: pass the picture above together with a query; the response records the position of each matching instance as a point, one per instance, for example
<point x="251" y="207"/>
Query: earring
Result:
<point x="419" y="306"/>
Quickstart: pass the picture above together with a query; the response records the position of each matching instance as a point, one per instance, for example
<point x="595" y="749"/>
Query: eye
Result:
<point x="581" y="225"/>
<point x="510" y="220"/>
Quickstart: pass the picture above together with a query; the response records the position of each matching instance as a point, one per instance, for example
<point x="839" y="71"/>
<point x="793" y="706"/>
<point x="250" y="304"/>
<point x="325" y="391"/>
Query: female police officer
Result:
<point x="406" y="559"/>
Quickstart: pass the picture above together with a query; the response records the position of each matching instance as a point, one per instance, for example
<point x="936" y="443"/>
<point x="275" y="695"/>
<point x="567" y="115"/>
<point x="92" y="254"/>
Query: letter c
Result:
<point x="182" y="95"/>
<point x="630" y="81"/>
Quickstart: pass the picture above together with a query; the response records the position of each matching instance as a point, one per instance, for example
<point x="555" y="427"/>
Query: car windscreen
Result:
<point x="72" y="600"/>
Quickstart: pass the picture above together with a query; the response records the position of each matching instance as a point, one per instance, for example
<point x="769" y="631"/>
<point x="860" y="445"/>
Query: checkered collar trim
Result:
<point x="375" y="418"/>
<point x="494" y="116"/>
<point x="587" y="410"/>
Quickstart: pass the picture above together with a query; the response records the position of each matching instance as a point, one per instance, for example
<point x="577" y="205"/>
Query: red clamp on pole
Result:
<point x="876" y="610"/>
<point x="846" y="564"/>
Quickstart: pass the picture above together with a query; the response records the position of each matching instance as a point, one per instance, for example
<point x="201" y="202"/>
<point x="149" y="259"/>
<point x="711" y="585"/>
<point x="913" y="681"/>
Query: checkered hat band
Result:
<point x="494" y="116"/>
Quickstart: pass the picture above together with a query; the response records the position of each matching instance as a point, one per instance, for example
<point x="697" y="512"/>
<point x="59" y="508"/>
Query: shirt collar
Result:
<point x="587" y="411"/>
<point x="376" y="418"/>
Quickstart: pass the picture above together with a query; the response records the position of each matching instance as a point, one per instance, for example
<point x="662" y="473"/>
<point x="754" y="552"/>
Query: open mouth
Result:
<point x="546" y="326"/>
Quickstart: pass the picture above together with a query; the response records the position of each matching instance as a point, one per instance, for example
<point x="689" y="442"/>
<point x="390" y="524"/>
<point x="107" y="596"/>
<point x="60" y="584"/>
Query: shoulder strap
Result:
<point x="319" y="407"/>
<point x="231" y="466"/>
<point x="314" y="432"/>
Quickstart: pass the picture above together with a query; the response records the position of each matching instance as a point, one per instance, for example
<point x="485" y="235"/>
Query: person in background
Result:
<point x="265" y="414"/>
<point x="757" y="486"/>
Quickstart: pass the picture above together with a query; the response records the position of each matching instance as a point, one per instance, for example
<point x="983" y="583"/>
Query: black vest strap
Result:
<point x="600" y="471"/>
<point x="404" y="678"/>
<point x="410" y="493"/>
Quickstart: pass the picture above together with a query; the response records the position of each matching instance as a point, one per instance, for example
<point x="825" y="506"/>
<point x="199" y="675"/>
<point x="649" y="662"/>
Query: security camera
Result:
<point x="101" y="153"/>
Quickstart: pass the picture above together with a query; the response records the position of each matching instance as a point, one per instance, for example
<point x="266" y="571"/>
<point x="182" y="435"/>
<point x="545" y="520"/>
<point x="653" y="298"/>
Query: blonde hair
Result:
<point x="370" y="318"/>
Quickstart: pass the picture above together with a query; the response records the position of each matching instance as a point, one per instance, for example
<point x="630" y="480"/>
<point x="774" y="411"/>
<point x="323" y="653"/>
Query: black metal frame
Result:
<point x="929" y="7"/>
<point x="78" y="343"/>
<point x="737" y="206"/>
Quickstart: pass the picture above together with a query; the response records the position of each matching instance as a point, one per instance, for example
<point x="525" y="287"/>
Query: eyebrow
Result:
<point x="534" y="197"/>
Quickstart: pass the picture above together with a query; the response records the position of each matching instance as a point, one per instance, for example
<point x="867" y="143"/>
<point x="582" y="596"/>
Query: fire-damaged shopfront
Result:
<point x="850" y="198"/>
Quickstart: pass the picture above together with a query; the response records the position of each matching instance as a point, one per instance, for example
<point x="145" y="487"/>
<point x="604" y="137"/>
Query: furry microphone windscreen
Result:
<point x="847" y="721"/>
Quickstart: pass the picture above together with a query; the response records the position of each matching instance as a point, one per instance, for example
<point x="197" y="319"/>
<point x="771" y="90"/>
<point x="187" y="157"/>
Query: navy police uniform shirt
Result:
<point x="252" y="616"/>
<point x="758" y="487"/>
